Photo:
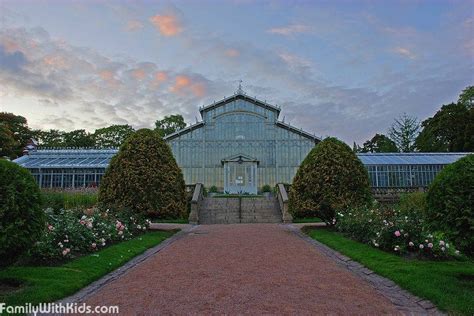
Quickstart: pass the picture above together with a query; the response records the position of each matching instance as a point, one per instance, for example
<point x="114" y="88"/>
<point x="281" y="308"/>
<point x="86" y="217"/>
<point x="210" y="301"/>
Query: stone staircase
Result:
<point x="235" y="210"/>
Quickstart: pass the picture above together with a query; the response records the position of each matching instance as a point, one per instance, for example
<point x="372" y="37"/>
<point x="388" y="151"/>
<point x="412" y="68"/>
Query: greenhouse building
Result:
<point x="239" y="146"/>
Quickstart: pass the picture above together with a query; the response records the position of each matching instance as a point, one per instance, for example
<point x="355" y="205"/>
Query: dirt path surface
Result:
<point x="241" y="269"/>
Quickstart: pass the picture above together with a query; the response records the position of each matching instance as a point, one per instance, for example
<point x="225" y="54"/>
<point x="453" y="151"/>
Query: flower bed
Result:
<point x="70" y="233"/>
<point x="396" y="231"/>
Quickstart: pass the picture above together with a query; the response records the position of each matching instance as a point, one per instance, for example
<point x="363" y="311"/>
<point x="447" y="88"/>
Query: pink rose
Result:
<point x="397" y="233"/>
<point x="50" y="227"/>
<point x="430" y="245"/>
<point x="94" y="245"/>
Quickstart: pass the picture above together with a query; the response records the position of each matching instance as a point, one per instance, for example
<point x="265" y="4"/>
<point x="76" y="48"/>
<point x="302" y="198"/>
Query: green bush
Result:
<point x="213" y="189"/>
<point x="266" y="188"/>
<point x="21" y="216"/>
<point x="451" y="203"/>
<point x="144" y="177"/>
<point x="413" y="202"/>
<point x="331" y="178"/>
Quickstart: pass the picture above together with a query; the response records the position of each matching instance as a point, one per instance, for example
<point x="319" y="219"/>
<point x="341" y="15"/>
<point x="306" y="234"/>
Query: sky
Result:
<point x="336" y="68"/>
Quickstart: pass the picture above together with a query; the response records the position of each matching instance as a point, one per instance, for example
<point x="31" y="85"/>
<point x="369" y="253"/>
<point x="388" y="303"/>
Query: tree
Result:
<point x="51" y="138"/>
<point x="8" y="145"/>
<point x="144" y="177"/>
<point x="404" y="131"/>
<point x="170" y="124"/>
<point x="451" y="203"/>
<point x="18" y="126"/>
<point x="467" y="97"/>
<point x="78" y="138"/>
<point x="112" y="136"/>
<point x="447" y="130"/>
<point x="331" y="178"/>
<point x="379" y="144"/>
<point x="21" y="217"/>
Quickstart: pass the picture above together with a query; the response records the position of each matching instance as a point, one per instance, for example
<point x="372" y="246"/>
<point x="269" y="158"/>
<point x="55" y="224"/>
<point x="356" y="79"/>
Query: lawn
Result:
<point x="50" y="283"/>
<point x="447" y="284"/>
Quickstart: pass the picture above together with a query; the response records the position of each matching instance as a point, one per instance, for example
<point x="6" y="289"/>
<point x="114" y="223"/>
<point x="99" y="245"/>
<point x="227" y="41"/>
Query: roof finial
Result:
<point x="239" y="90"/>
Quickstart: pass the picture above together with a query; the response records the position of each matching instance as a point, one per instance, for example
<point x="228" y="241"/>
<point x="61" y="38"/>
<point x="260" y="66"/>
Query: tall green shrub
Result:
<point x="144" y="177"/>
<point x="451" y="203"/>
<point x="21" y="217"/>
<point x="331" y="178"/>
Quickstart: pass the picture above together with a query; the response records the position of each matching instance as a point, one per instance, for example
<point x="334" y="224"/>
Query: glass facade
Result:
<point x="246" y="127"/>
<point x="405" y="170"/>
<point x="67" y="168"/>
<point x="67" y="177"/>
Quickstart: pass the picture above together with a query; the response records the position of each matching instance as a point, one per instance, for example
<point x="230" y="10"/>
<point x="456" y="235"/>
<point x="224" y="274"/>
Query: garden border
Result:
<point x="95" y="286"/>
<point x="404" y="301"/>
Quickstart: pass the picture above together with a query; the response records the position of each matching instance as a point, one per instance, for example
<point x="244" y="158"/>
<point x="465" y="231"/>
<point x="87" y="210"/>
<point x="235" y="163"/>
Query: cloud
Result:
<point x="133" y="25"/>
<point x="290" y="29"/>
<point x="159" y="77"/>
<point x="295" y="61"/>
<point x="232" y="52"/>
<point x="167" y="25"/>
<point x="88" y="86"/>
<point x="186" y="84"/>
<point x="11" y="61"/>
<point x="404" y="52"/>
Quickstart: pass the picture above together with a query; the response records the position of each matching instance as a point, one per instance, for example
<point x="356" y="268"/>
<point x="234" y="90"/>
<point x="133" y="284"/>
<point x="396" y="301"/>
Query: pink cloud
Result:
<point x="290" y="29"/>
<point x="160" y="76"/>
<point x="55" y="61"/>
<point x="139" y="74"/>
<point x="232" y="52"/>
<point x="167" y="25"/>
<point x="185" y="84"/>
<point x="108" y="76"/>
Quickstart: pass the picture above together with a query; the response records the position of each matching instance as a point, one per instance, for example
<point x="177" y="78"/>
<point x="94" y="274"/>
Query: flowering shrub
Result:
<point x="70" y="234"/>
<point x="395" y="231"/>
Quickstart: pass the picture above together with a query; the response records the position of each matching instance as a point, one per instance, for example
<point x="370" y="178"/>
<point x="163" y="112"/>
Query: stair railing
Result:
<point x="198" y="196"/>
<point x="283" y="201"/>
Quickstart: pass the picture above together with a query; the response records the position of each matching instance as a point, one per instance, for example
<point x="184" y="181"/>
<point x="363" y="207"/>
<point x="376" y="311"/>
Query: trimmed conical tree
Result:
<point x="144" y="177"/>
<point x="22" y="219"/>
<point x="451" y="203"/>
<point x="331" y="178"/>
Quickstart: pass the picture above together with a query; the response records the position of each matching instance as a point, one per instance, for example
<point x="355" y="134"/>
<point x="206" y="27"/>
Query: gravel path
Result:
<point x="241" y="269"/>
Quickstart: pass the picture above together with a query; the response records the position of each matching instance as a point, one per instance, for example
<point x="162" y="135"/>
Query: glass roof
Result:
<point x="67" y="158"/>
<point x="410" y="158"/>
<point x="100" y="158"/>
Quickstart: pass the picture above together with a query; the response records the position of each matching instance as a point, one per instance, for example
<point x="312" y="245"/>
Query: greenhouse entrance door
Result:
<point x="240" y="175"/>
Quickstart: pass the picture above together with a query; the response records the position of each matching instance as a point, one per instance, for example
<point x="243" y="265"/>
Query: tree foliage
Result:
<point x="170" y="124"/>
<point x="451" y="203"/>
<point x="18" y="128"/>
<point x="404" y="131"/>
<point x="467" y="97"/>
<point x="379" y="144"/>
<point x="21" y="216"/>
<point x="112" y="136"/>
<point x="449" y="130"/>
<point x="331" y="178"/>
<point x="144" y="177"/>
<point x="8" y="145"/>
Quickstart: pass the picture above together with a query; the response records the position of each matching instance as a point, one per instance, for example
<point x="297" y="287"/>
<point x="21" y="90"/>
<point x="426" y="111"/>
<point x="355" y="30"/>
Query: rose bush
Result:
<point x="396" y="231"/>
<point x="70" y="233"/>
